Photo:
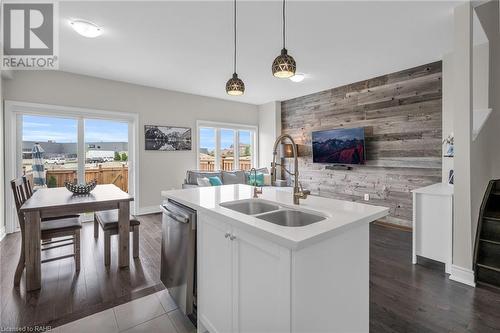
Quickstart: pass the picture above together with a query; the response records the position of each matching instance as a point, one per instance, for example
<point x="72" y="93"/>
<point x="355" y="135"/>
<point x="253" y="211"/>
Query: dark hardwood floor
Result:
<point x="421" y="298"/>
<point x="66" y="295"/>
<point x="403" y="297"/>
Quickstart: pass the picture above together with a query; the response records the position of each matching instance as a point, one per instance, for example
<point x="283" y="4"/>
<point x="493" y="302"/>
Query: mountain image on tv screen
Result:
<point x="339" y="146"/>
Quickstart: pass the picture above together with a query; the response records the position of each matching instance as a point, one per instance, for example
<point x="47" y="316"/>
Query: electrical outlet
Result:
<point x="367" y="196"/>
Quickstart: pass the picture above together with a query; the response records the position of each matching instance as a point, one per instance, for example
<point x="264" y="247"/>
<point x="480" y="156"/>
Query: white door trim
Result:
<point x="12" y="147"/>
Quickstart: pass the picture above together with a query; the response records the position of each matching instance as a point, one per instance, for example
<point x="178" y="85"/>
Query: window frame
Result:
<point x="14" y="110"/>
<point x="253" y="129"/>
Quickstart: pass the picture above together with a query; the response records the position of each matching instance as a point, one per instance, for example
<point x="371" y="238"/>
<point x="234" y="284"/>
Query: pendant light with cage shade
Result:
<point x="284" y="65"/>
<point x="235" y="86"/>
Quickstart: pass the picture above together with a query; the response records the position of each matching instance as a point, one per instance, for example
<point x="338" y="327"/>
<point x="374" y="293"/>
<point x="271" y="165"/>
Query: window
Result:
<point x="58" y="138"/>
<point x="227" y="149"/>
<point x="207" y="148"/>
<point x="245" y="147"/>
<point x="67" y="135"/>
<point x="106" y="152"/>
<point x="226" y="146"/>
<point x="106" y="149"/>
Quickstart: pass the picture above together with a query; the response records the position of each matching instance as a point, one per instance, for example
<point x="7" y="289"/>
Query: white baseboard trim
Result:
<point x="2" y="233"/>
<point x="462" y="275"/>
<point x="148" y="210"/>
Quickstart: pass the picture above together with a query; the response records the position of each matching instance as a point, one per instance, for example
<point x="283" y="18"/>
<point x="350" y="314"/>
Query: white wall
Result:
<point x="490" y="20"/>
<point x="476" y="81"/>
<point x="481" y="157"/>
<point x="2" y="175"/>
<point x="269" y="130"/>
<point x="158" y="170"/>
<point x="462" y="101"/>
<point x="480" y="76"/>
<point x="481" y="150"/>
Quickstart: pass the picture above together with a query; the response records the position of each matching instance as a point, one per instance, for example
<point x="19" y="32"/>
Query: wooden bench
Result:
<point x="108" y="220"/>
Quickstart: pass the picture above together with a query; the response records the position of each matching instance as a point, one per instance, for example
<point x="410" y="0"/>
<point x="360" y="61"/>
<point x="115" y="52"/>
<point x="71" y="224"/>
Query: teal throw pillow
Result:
<point x="215" y="181"/>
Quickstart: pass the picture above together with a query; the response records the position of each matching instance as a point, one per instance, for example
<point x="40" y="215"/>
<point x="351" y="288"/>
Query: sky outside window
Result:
<point x="65" y="130"/>
<point x="207" y="138"/>
<point x="226" y="138"/>
<point x="245" y="137"/>
<point x="245" y="143"/>
<point x="43" y="129"/>
<point x="105" y="131"/>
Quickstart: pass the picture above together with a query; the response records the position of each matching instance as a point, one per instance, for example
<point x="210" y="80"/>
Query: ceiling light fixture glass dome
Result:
<point x="86" y="28"/>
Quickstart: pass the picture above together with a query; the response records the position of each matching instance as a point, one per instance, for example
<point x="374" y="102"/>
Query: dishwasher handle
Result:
<point x="177" y="216"/>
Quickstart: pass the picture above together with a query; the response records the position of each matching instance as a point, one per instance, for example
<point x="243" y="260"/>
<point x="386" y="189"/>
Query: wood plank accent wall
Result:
<point x="401" y="113"/>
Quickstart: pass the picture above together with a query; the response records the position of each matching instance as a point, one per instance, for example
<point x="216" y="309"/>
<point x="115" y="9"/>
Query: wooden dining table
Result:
<point x="52" y="202"/>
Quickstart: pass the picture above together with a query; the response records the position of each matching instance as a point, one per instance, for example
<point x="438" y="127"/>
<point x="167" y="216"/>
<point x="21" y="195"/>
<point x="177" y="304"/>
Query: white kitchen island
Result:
<point x="258" y="276"/>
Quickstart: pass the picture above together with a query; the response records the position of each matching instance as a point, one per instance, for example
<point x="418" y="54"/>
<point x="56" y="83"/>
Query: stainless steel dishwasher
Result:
<point x="178" y="254"/>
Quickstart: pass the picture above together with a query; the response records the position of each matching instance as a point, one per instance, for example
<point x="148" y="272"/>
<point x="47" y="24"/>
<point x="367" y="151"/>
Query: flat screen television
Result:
<point x="339" y="146"/>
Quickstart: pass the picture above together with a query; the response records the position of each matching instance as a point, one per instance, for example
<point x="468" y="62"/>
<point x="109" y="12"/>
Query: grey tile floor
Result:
<point x="156" y="313"/>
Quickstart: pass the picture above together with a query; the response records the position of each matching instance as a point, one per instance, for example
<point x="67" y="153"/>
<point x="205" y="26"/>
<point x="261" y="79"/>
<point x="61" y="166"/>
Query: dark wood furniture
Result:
<point x="487" y="245"/>
<point x="108" y="220"/>
<point x="59" y="201"/>
<point x="65" y="231"/>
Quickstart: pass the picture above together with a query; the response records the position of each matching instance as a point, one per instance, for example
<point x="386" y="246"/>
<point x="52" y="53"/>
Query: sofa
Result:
<point x="227" y="177"/>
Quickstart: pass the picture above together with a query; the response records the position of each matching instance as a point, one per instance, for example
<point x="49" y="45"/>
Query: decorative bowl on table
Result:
<point x="81" y="188"/>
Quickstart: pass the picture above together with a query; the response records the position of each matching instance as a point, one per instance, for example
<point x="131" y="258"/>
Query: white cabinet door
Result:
<point x="214" y="274"/>
<point x="261" y="284"/>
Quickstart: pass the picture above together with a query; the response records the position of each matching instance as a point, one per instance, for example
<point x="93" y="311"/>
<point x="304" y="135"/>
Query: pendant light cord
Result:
<point x="234" y="36"/>
<point x="284" y="22"/>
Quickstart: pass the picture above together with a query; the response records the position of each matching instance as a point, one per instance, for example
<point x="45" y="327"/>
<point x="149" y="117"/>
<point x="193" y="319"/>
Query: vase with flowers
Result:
<point x="448" y="143"/>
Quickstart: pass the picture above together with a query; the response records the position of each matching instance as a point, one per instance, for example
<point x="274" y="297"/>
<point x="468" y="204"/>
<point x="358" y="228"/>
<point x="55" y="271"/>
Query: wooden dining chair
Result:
<point x="69" y="228"/>
<point x="108" y="220"/>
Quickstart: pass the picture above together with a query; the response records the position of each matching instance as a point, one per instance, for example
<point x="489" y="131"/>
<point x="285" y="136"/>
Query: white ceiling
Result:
<point x="187" y="46"/>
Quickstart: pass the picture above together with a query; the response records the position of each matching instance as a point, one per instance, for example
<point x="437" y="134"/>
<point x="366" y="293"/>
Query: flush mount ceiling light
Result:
<point x="235" y="86"/>
<point x="86" y="28"/>
<point x="284" y="65"/>
<point x="298" y="77"/>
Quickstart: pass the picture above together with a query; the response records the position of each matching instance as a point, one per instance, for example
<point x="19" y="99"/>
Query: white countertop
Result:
<point x="436" y="189"/>
<point x="340" y="214"/>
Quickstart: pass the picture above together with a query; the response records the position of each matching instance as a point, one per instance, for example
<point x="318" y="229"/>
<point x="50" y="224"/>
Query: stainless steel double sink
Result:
<point x="273" y="213"/>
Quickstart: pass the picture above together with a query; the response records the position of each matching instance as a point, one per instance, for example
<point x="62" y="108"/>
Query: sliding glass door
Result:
<point x="106" y="152"/>
<point x="78" y="144"/>
<point x="76" y="149"/>
<point x="58" y="139"/>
